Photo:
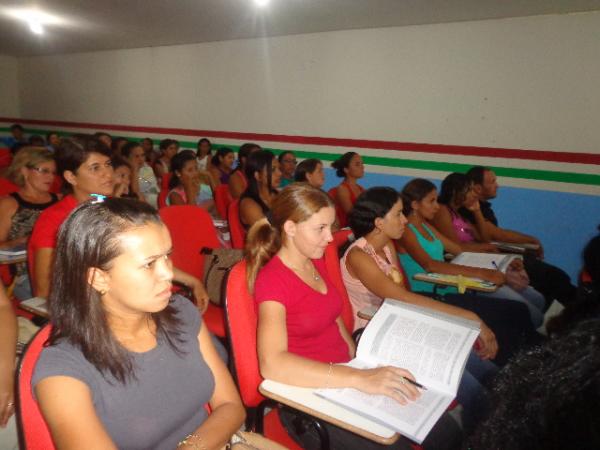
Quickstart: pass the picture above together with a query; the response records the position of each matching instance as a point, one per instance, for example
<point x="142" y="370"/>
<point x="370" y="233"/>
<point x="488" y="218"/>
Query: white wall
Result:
<point x="520" y="83"/>
<point x="9" y="87"/>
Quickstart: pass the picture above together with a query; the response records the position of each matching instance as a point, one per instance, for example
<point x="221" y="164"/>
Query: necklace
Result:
<point x="315" y="275"/>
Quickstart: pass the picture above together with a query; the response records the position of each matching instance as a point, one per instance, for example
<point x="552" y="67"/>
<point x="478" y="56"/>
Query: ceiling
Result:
<point x="92" y="25"/>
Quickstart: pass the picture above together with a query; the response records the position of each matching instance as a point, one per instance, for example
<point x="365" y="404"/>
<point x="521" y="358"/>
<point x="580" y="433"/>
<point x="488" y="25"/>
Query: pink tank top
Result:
<point x="462" y="227"/>
<point x="360" y="296"/>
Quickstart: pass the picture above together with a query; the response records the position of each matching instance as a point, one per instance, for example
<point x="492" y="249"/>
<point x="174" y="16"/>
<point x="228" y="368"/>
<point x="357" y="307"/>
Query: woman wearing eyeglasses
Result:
<point x="33" y="169"/>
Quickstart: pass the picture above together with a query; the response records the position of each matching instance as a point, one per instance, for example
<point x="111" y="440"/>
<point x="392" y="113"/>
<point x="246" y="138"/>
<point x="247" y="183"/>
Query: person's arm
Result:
<point x="214" y="172"/>
<point x="236" y="185"/>
<point x="415" y="250"/>
<point x="8" y="346"/>
<point x="481" y="230"/>
<point x="361" y="266"/>
<point x="346" y="336"/>
<point x="175" y="199"/>
<point x="43" y="271"/>
<point x="227" y="413"/>
<point x="67" y="406"/>
<point x="278" y="364"/>
<point x="443" y="222"/>
<point x="250" y="212"/>
<point x="135" y="183"/>
<point x="343" y="198"/>
<point x="8" y="208"/>
<point x="195" y="284"/>
<point x="511" y="236"/>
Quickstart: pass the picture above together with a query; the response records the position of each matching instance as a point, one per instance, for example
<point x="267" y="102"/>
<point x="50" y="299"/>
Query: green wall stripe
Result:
<point x="435" y="166"/>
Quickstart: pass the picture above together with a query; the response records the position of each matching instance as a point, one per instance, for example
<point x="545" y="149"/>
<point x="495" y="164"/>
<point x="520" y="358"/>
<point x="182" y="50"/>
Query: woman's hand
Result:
<point x="488" y="346"/>
<point x="390" y="381"/>
<point x="120" y="189"/>
<point x="7" y="400"/>
<point x="201" y="296"/>
<point x="495" y="276"/>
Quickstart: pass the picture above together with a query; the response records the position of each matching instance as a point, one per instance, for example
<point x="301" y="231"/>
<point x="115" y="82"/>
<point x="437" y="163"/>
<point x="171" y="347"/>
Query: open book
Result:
<point x="433" y="346"/>
<point x="492" y="261"/>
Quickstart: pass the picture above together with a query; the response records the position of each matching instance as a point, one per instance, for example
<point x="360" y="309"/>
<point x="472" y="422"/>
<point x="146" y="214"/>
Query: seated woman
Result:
<point x="221" y="165"/>
<point x="262" y="172"/>
<point x="122" y="171"/>
<point x="424" y="248"/>
<point x="143" y="182"/>
<point x="238" y="182"/>
<point x="127" y="364"/>
<point x="85" y="165"/>
<point x="301" y="337"/>
<point x="33" y="169"/>
<point x="168" y="149"/>
<point x="204" y="154"/>
<point x="287" y="165"/>
<point x="350" y="167"/>
<point x="310" y="171"/>
<point x="456" y="193"/>
<point x="187" y="186"/>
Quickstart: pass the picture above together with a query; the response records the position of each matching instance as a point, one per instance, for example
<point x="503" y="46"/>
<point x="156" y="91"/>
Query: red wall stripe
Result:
<point x="491" y="152"/>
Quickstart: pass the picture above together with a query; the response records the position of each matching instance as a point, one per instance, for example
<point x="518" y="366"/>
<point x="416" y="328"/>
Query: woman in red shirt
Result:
<point x="301" y="336"/>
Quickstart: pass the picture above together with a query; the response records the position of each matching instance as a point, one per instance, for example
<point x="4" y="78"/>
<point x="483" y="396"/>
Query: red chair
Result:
<point x="33" y="431"/>
<point x="222" y="199"/>
<point x="5" y="157"/>
<point x="339" y="212"/>
<point x="57" y="184"/>
<point x="7" y="186"/>
<point x="191" y="229"/>
<point x="241" y="331"/>
<point x="332" y="264"/>
<point x="164" y="181"/>
<point x="236" y="229"/>
<point x="162" y="199"/>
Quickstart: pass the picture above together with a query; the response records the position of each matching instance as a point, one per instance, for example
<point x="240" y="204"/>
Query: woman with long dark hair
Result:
<point x="350" y="167"/>
<point x="263" y="175"/>
<point x="221" y="165"/>
<point x="238" y="181"/>
<point x="456" y="194"/>
<point x="127" y="364"/>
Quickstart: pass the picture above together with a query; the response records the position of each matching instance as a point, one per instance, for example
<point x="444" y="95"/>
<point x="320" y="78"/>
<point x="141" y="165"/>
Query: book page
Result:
<point x="433" y="346"/>
<point x="413" y="420"/>
<point x="492" y="261"/>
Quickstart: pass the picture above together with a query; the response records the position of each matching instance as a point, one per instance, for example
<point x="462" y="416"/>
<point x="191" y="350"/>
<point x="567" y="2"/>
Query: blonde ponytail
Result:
<point x="262" y="242"/>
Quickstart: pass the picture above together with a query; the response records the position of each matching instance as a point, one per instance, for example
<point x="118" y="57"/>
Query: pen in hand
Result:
<point x="414" y="383"/>
<point x="495" y="265"/>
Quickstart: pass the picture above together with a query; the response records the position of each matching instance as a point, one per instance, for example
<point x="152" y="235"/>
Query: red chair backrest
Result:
<point x="161" y="201"/>
<point x="222" y="199"/>
<point x="164" y="181"/>
<point x="339" y="212"/>
<point x="191" y="228"/>
<point x="7" y="186"/>
<point x="5" y="157"/>
<point x="56" y="185"/>
<point x="241" y="322"/>
<point x="236" y="229"/>
<point x="332" y="264"/>
<point x="34" y="432"/>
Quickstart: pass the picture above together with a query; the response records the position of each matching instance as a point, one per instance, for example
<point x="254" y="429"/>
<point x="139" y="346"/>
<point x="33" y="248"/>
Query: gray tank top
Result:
<point x="159" y="408"/>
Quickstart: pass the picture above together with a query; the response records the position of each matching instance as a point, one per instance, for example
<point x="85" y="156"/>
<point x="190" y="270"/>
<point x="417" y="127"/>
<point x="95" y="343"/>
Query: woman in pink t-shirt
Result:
<point x="301" y="336"/>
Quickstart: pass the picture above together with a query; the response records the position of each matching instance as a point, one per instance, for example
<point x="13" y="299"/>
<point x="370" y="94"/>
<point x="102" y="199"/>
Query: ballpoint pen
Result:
<point x="414" y="383"/>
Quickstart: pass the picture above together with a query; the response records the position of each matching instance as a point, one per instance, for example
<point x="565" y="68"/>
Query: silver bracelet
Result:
<point x="195" y="445"/>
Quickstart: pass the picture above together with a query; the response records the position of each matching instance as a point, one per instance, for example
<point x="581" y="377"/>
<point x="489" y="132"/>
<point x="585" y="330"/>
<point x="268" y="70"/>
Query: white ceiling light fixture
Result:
<point x="261" y="3"/>
<point x="35" y="18"/>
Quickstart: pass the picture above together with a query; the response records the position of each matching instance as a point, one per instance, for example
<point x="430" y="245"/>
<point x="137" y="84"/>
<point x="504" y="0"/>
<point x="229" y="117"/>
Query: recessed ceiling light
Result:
<point x="35" y="18"/>
<point x="261" y="3"/>
<point x="36" y="27"/>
